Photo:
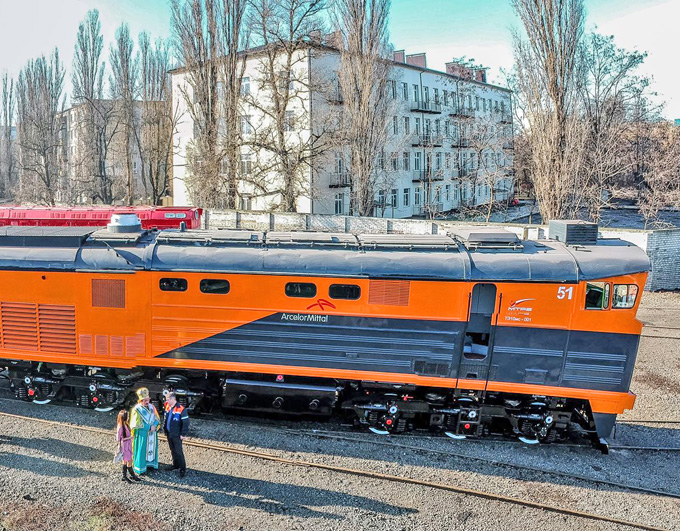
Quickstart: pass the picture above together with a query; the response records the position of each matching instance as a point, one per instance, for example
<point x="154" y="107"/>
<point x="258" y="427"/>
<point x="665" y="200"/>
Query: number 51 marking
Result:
<point x="564" y="291"/>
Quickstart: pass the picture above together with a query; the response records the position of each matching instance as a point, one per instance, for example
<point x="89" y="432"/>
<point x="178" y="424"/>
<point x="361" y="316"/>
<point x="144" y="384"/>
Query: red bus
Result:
<point x="152" y="217"/>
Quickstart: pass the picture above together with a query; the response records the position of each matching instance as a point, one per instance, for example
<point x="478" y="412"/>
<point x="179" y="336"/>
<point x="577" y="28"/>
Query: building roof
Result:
<point x="257" y="50"/>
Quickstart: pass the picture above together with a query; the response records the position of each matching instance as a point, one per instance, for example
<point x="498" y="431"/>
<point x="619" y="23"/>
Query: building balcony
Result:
<point x="506" y="118"/>
<point x="422" y="176"/>
<point x="462" y="112"/>
<point x="335" y="97"/>
<point x="426" y="106"/>
<point x="460" y="142"/>
<point x="427" y="139"/>
<point x="339" y="180"/>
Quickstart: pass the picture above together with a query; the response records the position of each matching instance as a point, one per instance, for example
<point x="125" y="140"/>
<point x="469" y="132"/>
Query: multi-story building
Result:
<point x="93" y="154"/>
<point x="449" y="143"/>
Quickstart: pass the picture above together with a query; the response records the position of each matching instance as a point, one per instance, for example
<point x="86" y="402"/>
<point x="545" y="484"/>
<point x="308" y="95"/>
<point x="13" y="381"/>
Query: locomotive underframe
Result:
<point x="384" y="408"/>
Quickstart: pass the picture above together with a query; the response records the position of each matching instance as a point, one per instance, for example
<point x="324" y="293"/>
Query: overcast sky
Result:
<point x="479" y="29"/>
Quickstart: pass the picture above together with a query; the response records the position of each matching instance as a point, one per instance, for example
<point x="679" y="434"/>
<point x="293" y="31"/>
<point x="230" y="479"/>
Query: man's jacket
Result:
<point x="179" y="420"/>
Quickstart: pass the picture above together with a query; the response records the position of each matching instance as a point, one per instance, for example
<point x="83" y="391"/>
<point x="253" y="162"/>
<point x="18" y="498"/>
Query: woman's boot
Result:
<point x="134" y="476"/>
<point x="125" y="478"/>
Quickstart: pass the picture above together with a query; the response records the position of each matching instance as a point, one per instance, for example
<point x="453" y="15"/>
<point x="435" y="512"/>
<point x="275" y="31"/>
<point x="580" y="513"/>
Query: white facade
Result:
<point x="449" y="144"/>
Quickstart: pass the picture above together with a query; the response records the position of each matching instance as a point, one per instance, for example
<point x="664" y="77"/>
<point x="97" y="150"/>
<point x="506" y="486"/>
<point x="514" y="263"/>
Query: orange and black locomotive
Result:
<point x="470" y="333"/>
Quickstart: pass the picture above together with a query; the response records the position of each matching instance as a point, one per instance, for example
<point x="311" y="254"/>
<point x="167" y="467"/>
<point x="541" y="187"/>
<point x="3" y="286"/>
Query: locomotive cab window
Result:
<point x="597" y="295"/>
<point x="344" y="291"/>
<point x="624" y="295"/>
<point x="173" y="284"/>
<point x="303" y="290"/>
<point x="215" y="285"/>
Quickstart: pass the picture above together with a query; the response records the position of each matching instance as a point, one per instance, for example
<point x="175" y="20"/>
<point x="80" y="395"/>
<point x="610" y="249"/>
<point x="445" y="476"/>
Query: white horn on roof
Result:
<point x="124" y="223"/>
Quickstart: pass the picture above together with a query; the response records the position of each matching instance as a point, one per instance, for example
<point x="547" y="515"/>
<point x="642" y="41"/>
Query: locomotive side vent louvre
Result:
<point x="108" y="293"/>
<point x="44" y="327"/>
<point x="57" y="328"/>
<point x="389" y="292"/>
<point x="19" y="325"/>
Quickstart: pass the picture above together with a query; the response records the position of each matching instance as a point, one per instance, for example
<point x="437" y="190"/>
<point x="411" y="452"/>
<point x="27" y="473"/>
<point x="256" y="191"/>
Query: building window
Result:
<point x="340" y="203"/>
<point x="417" y="161"/>
<point x="394" y="161"/>
<point x="393" y="89"/>
<point x="435" y="95"/>
<point x="289" y="121"/>
<point x="245" y="86"/>
<point x="246" y="202"/>
<point x="404" y="91"/>
<point x="407" y="125"/>
<point x="246" y="163"/>
<point x="417" y="120"/>
<point x="218" y="286"/>
<point x="381" y="198"/>
<point x="381" y="160"/>
<point x="339" y="164"/>
<point x="495" y="106"/>
<point x="344" y="291"/>
<point x="407" y="197"/>
<point x="395" y="125"/>
<point x="303" y="290"/>
<point x="477" y="103"/>
<point x="246" y="126"/>
<point x="502" y="107"/>
<point x="426" y="94"/>
<point x="484" y="104"/>
<point x="173" y="284"/>
<point x="448" y="192"/>
<point x="447" y="160"/>
<point x="438" y="160"/>
<point x="445" y="97"/>
<point x="416" y="197"/>
<point x="447" y="128"/>
<point x="393" y="198"/>
<point x="437" y="127"/>
<point x="416" y="93"/>
<point x="406" y="160"/>
<point x="428" y="126"/>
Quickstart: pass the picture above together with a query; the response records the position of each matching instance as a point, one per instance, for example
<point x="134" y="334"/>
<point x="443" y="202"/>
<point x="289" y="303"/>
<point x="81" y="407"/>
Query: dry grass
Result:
<point x="104" y="514"/>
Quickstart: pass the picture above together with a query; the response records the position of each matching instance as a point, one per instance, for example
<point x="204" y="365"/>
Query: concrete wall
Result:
<point x="662" y="246"/>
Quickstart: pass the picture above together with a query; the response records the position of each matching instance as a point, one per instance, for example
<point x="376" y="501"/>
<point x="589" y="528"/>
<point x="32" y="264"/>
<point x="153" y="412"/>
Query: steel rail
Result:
<point x="365" y="473"/>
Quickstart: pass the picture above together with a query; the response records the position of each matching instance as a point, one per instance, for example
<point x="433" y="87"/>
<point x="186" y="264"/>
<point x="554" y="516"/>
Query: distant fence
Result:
<point x="662" y="246"/>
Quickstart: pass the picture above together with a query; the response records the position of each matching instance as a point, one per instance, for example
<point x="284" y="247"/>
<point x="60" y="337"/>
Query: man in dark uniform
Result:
<point x="176" y="426"/>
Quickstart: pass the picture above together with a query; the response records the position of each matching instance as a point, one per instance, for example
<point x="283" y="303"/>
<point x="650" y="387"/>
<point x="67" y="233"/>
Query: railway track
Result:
<point x="223" y="448"/>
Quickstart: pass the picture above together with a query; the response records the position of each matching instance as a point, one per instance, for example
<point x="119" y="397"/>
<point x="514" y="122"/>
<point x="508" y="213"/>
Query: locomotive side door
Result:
<point x="475" y="356"/>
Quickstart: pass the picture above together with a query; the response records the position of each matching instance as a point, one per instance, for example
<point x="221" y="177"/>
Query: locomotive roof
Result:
<point x="468" y="254"/>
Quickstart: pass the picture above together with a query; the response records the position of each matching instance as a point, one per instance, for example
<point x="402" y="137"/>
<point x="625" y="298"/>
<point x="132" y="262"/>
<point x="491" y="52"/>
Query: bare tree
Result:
<point x="7" y="148"/>
<point x="610" y="94"/>
<point x="364" y="72"/>
<point x="39" y="97"/>
<point x="547" y="81"/>
<point x="210" y="40"/>
<point x="124" y="89"/>
<point x="283" y="151"/>
<point x="93" y="122"/>
<point x="158" y="118"/>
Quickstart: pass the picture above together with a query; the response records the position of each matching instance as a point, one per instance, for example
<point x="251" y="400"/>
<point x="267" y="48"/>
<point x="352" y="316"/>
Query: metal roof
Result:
<point x="315" y="254"/>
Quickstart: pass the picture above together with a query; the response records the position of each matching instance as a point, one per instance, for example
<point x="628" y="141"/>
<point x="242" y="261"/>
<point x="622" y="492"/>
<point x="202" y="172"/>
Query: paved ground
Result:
<point x="55" y="478"/>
